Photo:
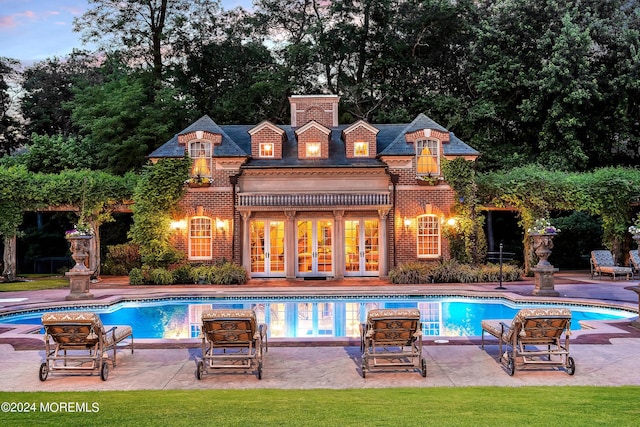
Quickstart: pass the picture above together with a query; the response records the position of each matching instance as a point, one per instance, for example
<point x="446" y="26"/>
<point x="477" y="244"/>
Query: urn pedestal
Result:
<point x="79" y="276"/>
<point x="544" y="271"/>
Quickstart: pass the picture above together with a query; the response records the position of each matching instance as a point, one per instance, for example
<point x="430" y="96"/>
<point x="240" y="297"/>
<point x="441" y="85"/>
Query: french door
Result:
<point x="361" y="247"/>
<point x="315" y="250"/>
<point x="267" y="248"/>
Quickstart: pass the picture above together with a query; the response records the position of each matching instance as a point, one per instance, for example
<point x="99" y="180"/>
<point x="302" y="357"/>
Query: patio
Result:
<point x="605" y="355"/>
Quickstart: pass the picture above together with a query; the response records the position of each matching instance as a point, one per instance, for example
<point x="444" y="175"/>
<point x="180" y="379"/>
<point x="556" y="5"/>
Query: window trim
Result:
<point x="261" y="151"/>
<point x="361" y="144"/>
<point x="420" y="145"/>
<point x="190" y="238"/>
<point x="208" y="147"/>
<point x="420" y="236"/>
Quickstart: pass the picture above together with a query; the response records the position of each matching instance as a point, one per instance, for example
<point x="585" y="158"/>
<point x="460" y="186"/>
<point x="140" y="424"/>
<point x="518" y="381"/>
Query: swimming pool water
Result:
<point x="179" y="318"/>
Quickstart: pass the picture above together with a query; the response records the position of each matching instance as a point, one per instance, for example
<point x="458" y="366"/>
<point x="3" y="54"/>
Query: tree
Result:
<point x="10" y="132"/>
<point x="548" y="77"/>
<point x="125" y="118"/>
<point x="14" y="198"/>
<point x="48" y="85"/>
<point x="143" y="29"/>
<point x="54" y="154"/>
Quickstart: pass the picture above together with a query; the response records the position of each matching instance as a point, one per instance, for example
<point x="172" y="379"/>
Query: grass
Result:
<point x="35" y="282"/>
<point x="466" y="406"/>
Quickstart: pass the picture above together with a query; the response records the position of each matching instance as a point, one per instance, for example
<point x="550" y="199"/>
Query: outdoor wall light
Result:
<point x="178" y="225"/>
<point x="407" y="223"/>
<point x="452" y="222"/>
<point x="221" y="224"/>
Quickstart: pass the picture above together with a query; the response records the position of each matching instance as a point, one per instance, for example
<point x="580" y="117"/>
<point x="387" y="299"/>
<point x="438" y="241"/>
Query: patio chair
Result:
<point x="77" y="341"/>
<point x="634" y="263"/>
<point x="602" y="263"/>
<point x="392" y="339"/>
<point x="538" y="336"/>
<point x="232" y="339"/>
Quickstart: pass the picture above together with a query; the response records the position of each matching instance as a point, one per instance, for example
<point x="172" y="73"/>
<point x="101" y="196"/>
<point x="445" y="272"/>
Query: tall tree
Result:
<point x="10" y="132"/>
<point x="144" y="29"/>
<point x="48" y="85"/>
<point x="545" y="74"/>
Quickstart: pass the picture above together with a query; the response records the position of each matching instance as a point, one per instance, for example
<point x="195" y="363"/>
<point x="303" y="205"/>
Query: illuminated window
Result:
<point x="200" y="153"/>
<point x="427" y="157"/>
<point x="313" y="149"/>
<point x="361" y="149"/>
<point x="200" y="238"/>
<point x="266" y="149"/>
<point x="428" y="234"/>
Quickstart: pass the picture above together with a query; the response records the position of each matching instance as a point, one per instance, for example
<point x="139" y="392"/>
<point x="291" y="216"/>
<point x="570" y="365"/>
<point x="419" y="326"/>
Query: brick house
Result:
<point x="315" y="198"/>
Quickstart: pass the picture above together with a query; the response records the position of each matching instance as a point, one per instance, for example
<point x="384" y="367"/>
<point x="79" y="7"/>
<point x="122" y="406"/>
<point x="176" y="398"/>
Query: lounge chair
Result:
<point x="232" y="339"/>
<point x="76" y="341"/>
<point x="602" y="263"/>
<point x="536" y="335"/>
<point x="392" y="339"/>
<point x="634" y="263"/>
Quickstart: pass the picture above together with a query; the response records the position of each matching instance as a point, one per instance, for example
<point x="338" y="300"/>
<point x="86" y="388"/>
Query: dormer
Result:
<point x="199" y="145"/>
<point x="266" y="141"/>
<point x="360" y="140"/>
<point x="322" y="109"/>
<point x="428" y="149"/>
<point x="313" y="141"/>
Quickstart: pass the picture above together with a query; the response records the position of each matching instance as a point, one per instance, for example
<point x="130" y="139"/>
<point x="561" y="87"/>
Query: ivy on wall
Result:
<point x="156" y="196"/>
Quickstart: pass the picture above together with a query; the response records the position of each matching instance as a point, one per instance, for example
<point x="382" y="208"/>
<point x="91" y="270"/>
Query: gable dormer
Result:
<point x="360" y="140"/>
<point x="428" y="150"/>
<point x="199" y="145"/>
<point x="313" y="141"/>
<point x="266" y="141"/>
<point x="322" y="109"/>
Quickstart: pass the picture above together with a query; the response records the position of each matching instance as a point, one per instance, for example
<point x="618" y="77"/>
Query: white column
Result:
<point x="245" y="238"/>
<point x="383" y="248"/>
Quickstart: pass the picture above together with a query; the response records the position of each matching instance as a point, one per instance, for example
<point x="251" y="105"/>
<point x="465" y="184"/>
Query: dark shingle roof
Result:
<point x="236" y="142"/>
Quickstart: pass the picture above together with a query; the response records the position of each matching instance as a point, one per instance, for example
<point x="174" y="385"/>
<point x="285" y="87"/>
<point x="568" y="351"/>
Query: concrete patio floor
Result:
<point x="605" y="353"/>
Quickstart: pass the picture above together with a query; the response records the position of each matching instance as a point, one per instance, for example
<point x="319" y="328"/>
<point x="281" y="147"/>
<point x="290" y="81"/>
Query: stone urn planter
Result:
<point x="542" y="245"/>
<point x="79" y="275"/>
<point x="543" y="271"/>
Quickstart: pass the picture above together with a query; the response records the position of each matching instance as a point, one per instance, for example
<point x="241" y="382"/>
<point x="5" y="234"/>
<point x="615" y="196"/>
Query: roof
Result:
<point x="236" y="142"/>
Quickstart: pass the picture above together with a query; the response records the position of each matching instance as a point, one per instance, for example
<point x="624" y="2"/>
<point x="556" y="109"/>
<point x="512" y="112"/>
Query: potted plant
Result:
<point x="198" y="181"/>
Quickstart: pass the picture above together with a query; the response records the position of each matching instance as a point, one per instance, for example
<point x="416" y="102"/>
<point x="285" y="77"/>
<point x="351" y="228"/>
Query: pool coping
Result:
<point x="23" y="337"/>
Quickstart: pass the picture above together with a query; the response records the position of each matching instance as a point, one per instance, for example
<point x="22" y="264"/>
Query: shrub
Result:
<point x="411" y="273"/>
<point x="135" y="277"/>
<point x="230" y="274"/>
<point x="121" y="258"/>
<point x="452" y="272"/>
<point x="183" y="274"/>
<point x="161" y="276"/>
<point x="202" y="274"/>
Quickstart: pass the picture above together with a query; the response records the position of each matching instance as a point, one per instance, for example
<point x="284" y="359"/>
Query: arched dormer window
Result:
<point x="427" y="157"/>
<point x="200" y="153"/>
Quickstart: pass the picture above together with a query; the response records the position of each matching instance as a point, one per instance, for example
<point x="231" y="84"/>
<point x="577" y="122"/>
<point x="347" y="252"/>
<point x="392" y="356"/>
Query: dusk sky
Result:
<point x="33" y="30"/>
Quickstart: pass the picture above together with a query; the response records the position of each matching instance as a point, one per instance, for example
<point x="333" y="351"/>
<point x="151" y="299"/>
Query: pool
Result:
<point x="305" y="317"/>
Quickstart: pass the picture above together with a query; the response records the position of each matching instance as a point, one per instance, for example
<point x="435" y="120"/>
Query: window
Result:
<point x="428" y="236"/>
<point x="313" y="149"/>
<point x="266" y="149"/>
<point x="427" y="157"/>
<point x="361" y="149"/>
<point x="200" y="238"/>
<point x="200" y="153"/>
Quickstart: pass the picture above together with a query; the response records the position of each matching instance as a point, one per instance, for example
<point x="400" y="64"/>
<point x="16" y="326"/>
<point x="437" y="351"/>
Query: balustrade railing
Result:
<point x="325" y="199"/>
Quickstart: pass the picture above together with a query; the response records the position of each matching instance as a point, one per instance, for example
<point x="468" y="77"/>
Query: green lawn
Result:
<point x="472" y="406"/>
<point x="35" y="282"/>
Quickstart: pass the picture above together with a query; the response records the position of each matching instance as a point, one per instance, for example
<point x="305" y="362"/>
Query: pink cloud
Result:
<point x="7" y="21"/>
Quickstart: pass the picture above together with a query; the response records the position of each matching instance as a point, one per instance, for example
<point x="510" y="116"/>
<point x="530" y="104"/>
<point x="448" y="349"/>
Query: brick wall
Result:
<point x="267" y="135"/>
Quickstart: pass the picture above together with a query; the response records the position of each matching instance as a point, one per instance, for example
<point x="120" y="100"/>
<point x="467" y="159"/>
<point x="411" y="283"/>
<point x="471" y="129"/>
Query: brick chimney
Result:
<point x="321" y="108"/>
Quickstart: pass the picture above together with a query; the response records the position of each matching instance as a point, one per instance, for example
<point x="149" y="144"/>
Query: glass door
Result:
<point x="315" y="250"/>
<point x="267" y="248"/>
<point x="361" y="247"/>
